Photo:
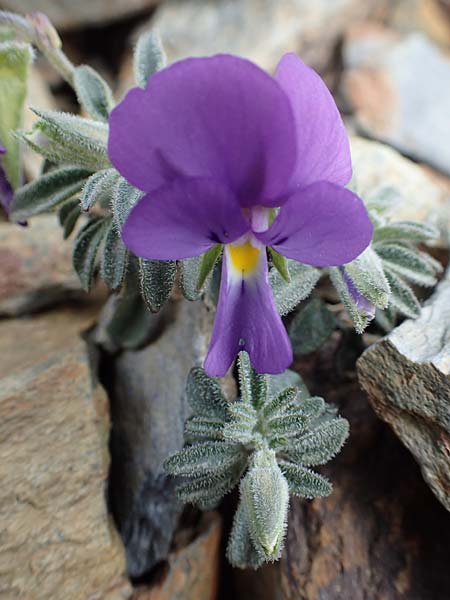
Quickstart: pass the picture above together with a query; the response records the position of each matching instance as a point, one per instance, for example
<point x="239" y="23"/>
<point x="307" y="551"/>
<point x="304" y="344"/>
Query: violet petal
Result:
<point x="247" y="319"/>
<point x="220" y="117"/>
<point x="321" y="225"/>
<point x="183" y="219"/>
<point x="323" y="152"/>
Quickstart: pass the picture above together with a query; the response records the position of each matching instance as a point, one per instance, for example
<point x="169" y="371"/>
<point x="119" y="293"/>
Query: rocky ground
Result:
<point x="85" y="509"/>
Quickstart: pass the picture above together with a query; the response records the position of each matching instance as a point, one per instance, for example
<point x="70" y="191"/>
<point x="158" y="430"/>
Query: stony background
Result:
<point x="85" y="426"/>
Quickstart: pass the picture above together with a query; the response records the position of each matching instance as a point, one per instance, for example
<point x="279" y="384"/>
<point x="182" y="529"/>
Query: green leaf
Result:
<point x="288" y="295"/>
<point x="157" y="279"/>
<point x="277" y="383"/>
<point x="189" y="271"/>
<point x="304" y="482"/>
<point x="204" y="395"/>
<point x="265" y="495"/>
<point x="66" y="138"/>
<point x="409" y="263"/>
<point x="311" y="327"/>
<point x="207" y="457"/>
<point x="286" y="426"/>
<point x="321" y="444"/>
<point x="85" y="250"/>
<point x="15" y="59"/>
<point x="312" y="407"/>
<point x="207" y="262"/>
<point x="93" y="93"/>
<point x="280" y="404"/>
<point x="402" y="297"/>
<point x="69" y="214"/>
<point x="204" y="429"/>
<point x="99" y="188"/>
<point x="252" y="385"/>
<point x="281" y="264"/>
<point x="149" y="57"/>
<point x="241" y="551"/>
<point x="114" y="259"/>
<point x="405" y="231"/>
<point x="207" y="489"/>
<point x="358" y="316"/>
<point x="47" y="192"/>
<point x="367" y="274"/>
<point x="124" y="197"/>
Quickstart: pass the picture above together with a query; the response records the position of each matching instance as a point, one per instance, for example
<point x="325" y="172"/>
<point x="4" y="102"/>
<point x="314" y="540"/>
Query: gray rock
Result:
<point x="261" y="30"/>
<point x="407" y="379"/>
<point x="399" y="88"/>
<point x="148" y="410"/>
<point x="66" y="14"/>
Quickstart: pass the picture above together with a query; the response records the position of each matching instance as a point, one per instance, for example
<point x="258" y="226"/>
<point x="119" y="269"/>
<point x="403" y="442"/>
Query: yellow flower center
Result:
<point x="244" y="257"/>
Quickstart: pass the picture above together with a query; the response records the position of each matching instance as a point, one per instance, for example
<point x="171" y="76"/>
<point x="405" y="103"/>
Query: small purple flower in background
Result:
<point x="215" y="143"/>
<point x="6" y="191"/>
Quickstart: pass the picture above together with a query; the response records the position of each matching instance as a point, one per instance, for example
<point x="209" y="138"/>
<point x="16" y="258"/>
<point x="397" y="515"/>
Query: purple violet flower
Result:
<point x="215" y="143"/>
<point x="6" y="191"/>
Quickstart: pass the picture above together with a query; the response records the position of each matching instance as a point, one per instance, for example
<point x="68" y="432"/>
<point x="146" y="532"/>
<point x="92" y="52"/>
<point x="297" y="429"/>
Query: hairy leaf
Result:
<point x="69" y="214"/>
<point x="241" y="551"/>
<point x="207" y="488"/>
<point x="321" y="444"/>
<point x="149" y="57"/>
<point x="288" y="295"/>
<point x="204" y="395"/>
<point x="85" y="250"/>
<point x="114" y="259"/>
<point x="409" y="263"/>
<point x="367" y="274"/>
<point x="358" y="316"/>
<point x="208" y="457"/>
<point x="304" y="482"/>
<point x="204" y="429"/>
<point x="311" y="327"/>
<point x="47" y="192"/>
<point x="99" y="188"/>
<point x="280" y="404"/>
<point x="405" y="231"/>
<point x="402" y="297"/>
<point x="157" y="279"/>
<point x="93" y="93"/>
<point x="124" y="197"/>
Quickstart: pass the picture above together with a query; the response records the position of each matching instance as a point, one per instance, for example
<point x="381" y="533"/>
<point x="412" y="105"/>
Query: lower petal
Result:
<point x="247" y="319"/>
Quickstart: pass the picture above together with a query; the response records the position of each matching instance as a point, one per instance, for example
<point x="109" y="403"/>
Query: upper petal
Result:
<point x="183" y="219"/>
<point x="323" y="152"/>
<point x="322" y="225"/>
<point x="247" y="319"/>
<point x="220" y="117"/>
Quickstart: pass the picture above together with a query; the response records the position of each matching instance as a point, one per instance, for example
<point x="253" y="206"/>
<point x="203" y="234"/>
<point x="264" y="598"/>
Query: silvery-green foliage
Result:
<point x="47" y="192"/>
<point x="66" y="138"/>
<point x="93" y="93"/>
<point x="266" y="441"/>
<point x="288" y="295"/>
<point x="68" y="214"/>
<point x="196" y="272"/>
<point x="99" y="188"/>
<point x="114" y="259"/>
<point x="157" y="278"/>
<point x="149" y="57"/>
<point x="311" y="327"/>
<point x="86" y="246"/>
<point x="384" y="272"/>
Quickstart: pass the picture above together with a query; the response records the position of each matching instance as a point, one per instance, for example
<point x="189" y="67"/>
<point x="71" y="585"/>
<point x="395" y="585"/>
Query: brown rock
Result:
<point x="259" y="30"/>
<point x="423" y="196"/>
<point x="193" y="571"/>
<point x="406" y="377"/>
<point x="380" y="535"/>
<point x="57" y="539"/>
<point x="408" y="112"/>
<point x="66" y="14"/>
<point x="35" y="267"/>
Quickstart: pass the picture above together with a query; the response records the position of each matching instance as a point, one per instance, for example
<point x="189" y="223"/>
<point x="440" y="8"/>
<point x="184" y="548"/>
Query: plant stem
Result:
<point x="36" y="29"/>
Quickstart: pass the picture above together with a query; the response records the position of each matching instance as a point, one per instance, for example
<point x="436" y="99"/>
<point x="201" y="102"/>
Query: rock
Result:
<point x="261" y="30"/>
<point x="148" y="411"/>
<point x="423" y="196"/>
<point x="406" y="377"/>
<point x="57" y="538"/>
<point x="410" y="112"/>
<point x="430" y="16"/>
<point x="193" y="570"/>
<point x="66" y="14"/>
<point x="381" y="534"/>
<point x="35" y="267"/>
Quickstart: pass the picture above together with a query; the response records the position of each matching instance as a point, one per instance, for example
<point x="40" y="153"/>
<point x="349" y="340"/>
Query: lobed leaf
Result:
<point x="47" y="192"/>
<point x="304" y="482"/>
<point x="157" y="279"/>
<point x="93" y="93"/>
<point x="85" y="250"/>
